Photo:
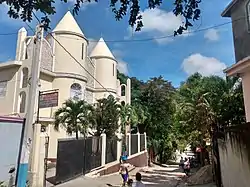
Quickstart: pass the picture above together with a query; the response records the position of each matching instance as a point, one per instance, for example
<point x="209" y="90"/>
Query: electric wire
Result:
<point x="146" y="39"/>
<point x="79" y="63"/>
<point x="75" y="59"/>
<point x="155" y="38"/>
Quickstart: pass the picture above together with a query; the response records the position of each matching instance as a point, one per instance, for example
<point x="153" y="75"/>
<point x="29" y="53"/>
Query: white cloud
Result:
<point x="212" y="35"/>
<point x="158" y="23"/>
<point x="202" y="64"/>
<point x="157" y="20"/>
<point x="122" y="66"/>
<point x="164" y="40"/>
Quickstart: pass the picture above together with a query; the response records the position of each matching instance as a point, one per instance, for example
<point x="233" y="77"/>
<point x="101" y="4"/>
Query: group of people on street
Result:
<point x="125" y="176"/>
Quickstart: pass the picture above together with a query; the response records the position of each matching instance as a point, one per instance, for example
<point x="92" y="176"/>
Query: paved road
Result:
<point x="157" y="176"/>
<point x="153" y="177"/>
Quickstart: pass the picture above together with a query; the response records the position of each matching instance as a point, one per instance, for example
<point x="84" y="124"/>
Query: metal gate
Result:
<point x="77" y="157"/>
<point x="111" y="150"/>
<point x="134" y="144"/>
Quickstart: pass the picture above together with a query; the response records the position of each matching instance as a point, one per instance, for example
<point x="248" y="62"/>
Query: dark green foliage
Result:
<point x="24" y="9"/>
<point x="74" y="116"/>
<point x="205" y="101"/>
<point x="106" y="117"/>
<point x="172" y="118"/>
<point x="123" y="78"/>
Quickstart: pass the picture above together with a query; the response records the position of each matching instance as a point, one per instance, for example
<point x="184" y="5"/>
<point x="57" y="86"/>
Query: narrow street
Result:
<point x="152" y="176"/>
<point x="156" y="176"/>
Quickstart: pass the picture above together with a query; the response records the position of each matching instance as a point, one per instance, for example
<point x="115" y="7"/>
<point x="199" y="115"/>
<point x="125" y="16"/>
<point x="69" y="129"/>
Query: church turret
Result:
<point x="21" y="47"/>
<point x="69" y="34"/>
<point x="70" y="78"/>
<point x="105" y="67"/>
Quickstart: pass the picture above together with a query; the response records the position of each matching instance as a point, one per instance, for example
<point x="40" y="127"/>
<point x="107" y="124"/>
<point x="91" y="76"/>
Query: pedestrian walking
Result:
<point x="182" y="163"/>
<point x="124" y="172"/>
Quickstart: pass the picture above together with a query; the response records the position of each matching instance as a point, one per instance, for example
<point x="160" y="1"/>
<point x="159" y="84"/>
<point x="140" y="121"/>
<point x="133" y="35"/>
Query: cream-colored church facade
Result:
<point x="61" y="72"/>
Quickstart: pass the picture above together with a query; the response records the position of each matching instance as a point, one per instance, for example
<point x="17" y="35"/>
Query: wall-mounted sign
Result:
<point x="47" y="100"/>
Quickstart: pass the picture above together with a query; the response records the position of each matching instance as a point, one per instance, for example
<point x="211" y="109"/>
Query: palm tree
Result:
<point x="106" y="117"/>
<point x="128" y="116"/>
<point x="74" y="116"/>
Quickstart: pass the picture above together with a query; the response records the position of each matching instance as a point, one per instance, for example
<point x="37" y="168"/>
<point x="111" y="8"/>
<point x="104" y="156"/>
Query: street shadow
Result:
<point x="159" y="180"/>
<point x="175" y="172"/>
<point x="159" y="177"/>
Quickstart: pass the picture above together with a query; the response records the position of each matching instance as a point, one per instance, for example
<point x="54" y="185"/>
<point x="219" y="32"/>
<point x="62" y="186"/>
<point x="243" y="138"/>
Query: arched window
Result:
<point x="123" y="90"/>
<point x="76" y="91"/>
<point x="22" y="99"/>
<point x="25" y="77"/>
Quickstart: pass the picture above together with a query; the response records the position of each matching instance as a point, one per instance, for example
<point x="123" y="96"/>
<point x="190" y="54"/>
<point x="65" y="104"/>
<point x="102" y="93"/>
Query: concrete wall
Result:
<point x="138" y="160"/>
<point x="235" y="158"/>
<point x="63" y="61"/>
<point x="6" y="102"/>
<point x="106" y="73"/>
<point x="241" y="30"/>
<point x="246" y="94"/>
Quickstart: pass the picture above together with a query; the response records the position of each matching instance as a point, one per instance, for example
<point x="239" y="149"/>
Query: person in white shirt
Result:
<point x="138" y="182"/>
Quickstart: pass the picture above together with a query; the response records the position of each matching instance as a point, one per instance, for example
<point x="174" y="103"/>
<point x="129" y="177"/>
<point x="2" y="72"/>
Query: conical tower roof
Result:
<point x="101" y="50"/>
<point x="68" y="24"/>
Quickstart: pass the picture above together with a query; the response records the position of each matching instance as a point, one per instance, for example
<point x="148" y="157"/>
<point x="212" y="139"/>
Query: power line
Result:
<point x="215" y="26"/>
<point x="152" y="38"/>
<point x="78" y="62"/>
<point x="30" y="27"/>
<point x="13" y="33"/>
<point x="75" y="59"/>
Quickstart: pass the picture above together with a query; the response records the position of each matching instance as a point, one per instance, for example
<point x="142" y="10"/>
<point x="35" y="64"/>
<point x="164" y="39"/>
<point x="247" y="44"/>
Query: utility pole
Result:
<point x="31" y="107"/>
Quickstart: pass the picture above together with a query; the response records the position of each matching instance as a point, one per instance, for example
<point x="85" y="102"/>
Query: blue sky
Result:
<point x="207" y="52"/>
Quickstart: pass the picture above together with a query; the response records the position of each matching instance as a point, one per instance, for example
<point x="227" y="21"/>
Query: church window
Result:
<point x="26" y="54"/>
<point x="123" y="90"/>
<point x="25" y="77"/>
<point x="82" y="51"/>
<point x="113" y="69"/>
<point x="76" y="91"/>
<point x="22" y="99"/>
<point x="3" y="88"/>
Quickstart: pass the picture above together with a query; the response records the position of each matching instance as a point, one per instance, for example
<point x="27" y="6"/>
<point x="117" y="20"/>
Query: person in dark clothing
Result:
<point x="186" y="166"/>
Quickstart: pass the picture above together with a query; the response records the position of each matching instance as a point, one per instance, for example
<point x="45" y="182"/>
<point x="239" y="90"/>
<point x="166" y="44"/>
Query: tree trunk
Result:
<point x="125" y="134"/>
<point x="76" y="131"/>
